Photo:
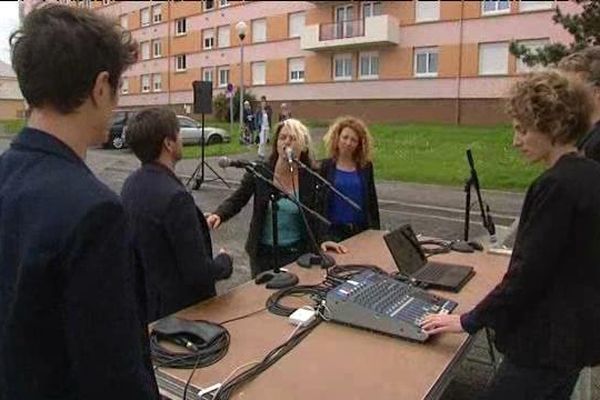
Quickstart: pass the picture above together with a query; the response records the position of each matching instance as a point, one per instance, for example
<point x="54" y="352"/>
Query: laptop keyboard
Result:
<point x="430" y="273"/>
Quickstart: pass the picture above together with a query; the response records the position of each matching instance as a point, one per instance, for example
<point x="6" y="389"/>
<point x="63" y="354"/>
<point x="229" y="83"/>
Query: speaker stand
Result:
<point x="196" y="180"/>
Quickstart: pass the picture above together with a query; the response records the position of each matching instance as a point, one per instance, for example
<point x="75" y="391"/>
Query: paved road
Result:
<point x="432" y="210"/>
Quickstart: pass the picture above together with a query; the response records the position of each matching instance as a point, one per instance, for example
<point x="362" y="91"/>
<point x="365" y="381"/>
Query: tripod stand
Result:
<point x="199" y="180"/>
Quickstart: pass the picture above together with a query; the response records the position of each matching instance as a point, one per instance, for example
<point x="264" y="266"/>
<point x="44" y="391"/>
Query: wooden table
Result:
<point x="336" y="361"/>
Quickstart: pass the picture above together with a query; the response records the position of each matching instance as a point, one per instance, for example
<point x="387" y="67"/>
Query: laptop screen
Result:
<point x="405" y="249"/>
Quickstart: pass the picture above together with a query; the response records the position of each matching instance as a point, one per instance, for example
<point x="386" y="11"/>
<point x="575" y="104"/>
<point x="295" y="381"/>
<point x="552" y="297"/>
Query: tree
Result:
<point x="584" y="27"/>
<point x="221" y="105"/>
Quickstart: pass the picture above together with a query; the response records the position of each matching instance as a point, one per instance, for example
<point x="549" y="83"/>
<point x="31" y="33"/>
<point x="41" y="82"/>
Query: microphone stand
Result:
<point x="278" y="279"/>
<point x="488" y="223"/>
<point x="319" y="257"/>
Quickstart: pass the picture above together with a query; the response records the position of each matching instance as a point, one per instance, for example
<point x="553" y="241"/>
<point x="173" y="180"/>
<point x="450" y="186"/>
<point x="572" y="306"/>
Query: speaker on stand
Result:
<point x="202" y="105"/>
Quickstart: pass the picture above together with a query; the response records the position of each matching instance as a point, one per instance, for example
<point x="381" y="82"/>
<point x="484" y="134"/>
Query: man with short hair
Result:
<point x="171" y="237"/>
<point x="71" y="326"/>
<point x="584" y="66"/>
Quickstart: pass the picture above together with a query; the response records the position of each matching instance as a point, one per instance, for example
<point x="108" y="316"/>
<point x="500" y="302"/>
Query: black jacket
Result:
<point x="371" y="209"/>
<point x="545" y="312"/>
<point x="250" y="186"/>
<point x="171" y="240"/>
<point x="70" y="323"/>
<point x="590" y="144"/>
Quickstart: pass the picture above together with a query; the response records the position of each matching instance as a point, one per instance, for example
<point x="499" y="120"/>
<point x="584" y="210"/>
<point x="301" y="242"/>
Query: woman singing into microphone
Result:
<point x="293" y="240"/>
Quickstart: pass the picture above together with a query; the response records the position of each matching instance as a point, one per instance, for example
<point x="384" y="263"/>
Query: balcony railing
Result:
<point x="342" y="30"/>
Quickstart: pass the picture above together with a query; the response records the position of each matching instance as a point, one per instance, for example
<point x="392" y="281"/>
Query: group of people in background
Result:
<point x="258" y="124"/>
<point x="83" y="271"/>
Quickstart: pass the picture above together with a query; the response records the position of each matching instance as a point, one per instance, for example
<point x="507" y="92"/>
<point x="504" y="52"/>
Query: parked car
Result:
<point x="191" y="132"/>
<point x="116" y="136"/>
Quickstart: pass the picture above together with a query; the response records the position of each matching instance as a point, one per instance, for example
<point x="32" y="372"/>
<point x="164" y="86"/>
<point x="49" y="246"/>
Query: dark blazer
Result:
<point x="371" y="209"/>
<point x="258" y="117"/>
<point x="590" y="144"/>
<point x="250" y="186"/>
<point x="70" y="323"/>
<point x="545" y="310"/>
<point x="171" y="240"/>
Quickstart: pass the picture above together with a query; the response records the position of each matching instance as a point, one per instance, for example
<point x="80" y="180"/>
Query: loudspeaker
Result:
<point x="202" y="97"/>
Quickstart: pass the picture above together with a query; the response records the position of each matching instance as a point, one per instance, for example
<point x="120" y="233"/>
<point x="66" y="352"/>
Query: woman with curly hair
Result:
<point x="350" y="170"/>
<point x="546" y="310"/>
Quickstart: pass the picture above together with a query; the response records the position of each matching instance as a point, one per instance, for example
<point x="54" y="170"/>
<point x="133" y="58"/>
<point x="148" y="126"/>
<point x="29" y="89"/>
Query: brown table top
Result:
<point x="337" y="361"/>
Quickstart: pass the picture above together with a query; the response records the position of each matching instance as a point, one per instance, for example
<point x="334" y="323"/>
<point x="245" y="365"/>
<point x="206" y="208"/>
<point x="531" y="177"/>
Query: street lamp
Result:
<point x="240" y="27"/>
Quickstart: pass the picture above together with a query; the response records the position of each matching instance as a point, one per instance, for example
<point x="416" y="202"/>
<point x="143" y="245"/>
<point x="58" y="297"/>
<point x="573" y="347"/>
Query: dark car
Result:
<point x="116" y="135"/>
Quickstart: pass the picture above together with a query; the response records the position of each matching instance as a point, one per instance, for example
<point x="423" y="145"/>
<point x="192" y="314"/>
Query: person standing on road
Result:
<point x="72" y="323"/>
<point x="545" y="312"/>
<point x="171" y="238"/>
<point x="263" y="124"/>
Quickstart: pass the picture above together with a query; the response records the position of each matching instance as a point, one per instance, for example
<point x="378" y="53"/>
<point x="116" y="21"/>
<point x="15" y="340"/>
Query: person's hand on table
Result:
<point x="333" y="246"/>
<point x="438" y="323"/>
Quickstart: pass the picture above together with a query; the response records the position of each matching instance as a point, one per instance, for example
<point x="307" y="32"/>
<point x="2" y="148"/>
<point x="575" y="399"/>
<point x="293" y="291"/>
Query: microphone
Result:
<point x="225" y="162"/>
<point x="289" y="154"/>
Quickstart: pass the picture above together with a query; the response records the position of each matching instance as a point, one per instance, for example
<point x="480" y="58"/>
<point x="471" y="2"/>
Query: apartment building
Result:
<point x="11" y="99"/>
<point x="445" y="61"/>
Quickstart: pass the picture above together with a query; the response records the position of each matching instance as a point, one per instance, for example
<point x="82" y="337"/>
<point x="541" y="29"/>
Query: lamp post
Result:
<point x="240" y="27"/>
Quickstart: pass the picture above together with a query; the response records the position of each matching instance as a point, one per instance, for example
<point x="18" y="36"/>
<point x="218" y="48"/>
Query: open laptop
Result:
<point x="411" y="261"/>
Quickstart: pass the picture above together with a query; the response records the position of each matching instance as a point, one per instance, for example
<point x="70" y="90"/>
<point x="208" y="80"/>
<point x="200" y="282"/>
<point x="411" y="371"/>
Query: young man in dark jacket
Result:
<point x="171" y="237"/>
<point x="71" y="306"/>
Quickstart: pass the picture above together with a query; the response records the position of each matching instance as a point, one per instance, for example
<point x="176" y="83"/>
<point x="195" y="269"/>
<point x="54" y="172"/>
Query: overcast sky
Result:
<point x="9" y="21"/>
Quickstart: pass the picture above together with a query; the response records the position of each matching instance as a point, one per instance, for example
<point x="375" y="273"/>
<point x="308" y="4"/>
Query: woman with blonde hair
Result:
<point x="544" y="312"/>
<point x="350" y="170"/>
<point x="293" y="240"/>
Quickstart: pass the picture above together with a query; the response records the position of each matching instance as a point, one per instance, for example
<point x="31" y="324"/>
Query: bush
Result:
<point x="221" y="105"/>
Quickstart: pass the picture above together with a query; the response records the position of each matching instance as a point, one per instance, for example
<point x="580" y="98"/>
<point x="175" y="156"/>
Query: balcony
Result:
<point x="380" y="30"/>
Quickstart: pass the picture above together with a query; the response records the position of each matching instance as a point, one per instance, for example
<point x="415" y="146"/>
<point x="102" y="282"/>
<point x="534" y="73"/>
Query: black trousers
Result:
<point x="513" y="382"/>
<point x="265" y="257"/>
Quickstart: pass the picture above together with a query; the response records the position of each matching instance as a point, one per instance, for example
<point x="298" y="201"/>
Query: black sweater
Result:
<point x="546" y="310"/>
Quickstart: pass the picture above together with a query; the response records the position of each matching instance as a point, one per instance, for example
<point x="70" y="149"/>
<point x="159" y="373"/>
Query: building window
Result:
<point x="535" y="5"/>
<point x="259" y="30"/>
<point x="493" y="58"/>
<point x="156" y="14"/>
<point x="209" y="5"/>
<point x="258" y="73"/>
<point x="208" y="36"/>
<point x="223" y="3"/>
<point x="296" y="24"/>
<point x="106" y="2"/>
<point x="207" y="74"/>
<point x="224" y="33"/>
<point x="531" y="45"/>
<point x="427" y="11"/>
<point x="296" y="69"/>
<point x="124" y="86"/>
<point x="156" y="48"/>
<point x="156" y="82"/>
<point x="145" y="16"/>
<point x="426" y="61"/>
<point x="223" y="76"/>
<point x="124" y="20"/>
<point x="371" y="9"/>
<point x="342" y="67"/>
<point x="145" y="83"/>
<point x="369" y="65"/>
<point x="180" y="27"/>
<point x="495" y="7"/>
<point x="145" y="47"/>
<point x="180" y="63"/>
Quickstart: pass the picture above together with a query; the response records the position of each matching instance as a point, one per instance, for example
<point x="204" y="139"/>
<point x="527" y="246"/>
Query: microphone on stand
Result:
<point x="225" y="162"/>
<point x="289" y="155"/>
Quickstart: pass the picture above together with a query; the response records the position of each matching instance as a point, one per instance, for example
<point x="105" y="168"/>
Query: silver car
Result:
<point x="191" y="132"/>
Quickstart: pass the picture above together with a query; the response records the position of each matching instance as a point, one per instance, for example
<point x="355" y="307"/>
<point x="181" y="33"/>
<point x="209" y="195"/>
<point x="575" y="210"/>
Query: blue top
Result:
<point x="351" y="185"/>
<point x="289" y="224"/>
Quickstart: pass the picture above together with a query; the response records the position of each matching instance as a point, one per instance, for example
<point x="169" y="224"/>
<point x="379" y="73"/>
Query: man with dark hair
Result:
<point x="584" y="66"/>
<point x="171" y="237"/>
<point x="71" y="326"/>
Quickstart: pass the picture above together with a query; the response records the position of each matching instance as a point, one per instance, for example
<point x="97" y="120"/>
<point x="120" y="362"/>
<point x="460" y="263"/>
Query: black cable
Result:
<point x="440" y="246"/>
<point x="227" y="321"/>
<point x="196" y="355"/>
<point x="273" y="302"/>
<point x="187" y="384"/>
<point x="344" y="272"/>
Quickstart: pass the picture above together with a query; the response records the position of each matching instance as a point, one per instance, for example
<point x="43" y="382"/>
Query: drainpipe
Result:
<point x="457" y="116"/>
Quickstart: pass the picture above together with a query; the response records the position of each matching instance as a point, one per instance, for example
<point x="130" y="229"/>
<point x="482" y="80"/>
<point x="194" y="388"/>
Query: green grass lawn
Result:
<point x="11" y="126"/>
<point x="428" y="153"/>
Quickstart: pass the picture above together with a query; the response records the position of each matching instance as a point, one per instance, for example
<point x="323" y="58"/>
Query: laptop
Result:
<point x="412" y="262"/>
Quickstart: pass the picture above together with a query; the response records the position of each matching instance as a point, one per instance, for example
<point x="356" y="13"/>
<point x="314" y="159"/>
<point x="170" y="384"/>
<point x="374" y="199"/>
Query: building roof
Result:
<point x="6" y="70"/>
